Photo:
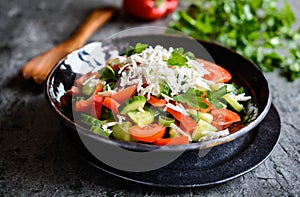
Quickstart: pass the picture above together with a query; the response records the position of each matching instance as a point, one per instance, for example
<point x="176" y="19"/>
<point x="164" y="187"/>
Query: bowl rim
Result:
<point x="148" y="147"/>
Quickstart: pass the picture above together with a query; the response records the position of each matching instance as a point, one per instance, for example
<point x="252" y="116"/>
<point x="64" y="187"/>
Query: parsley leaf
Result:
<point x="215" y="96"/>
<point x="192" y="97"/>
<point x="179" y="58"/>
<point x="139" y="47"/>
<point x="257" y="29"/>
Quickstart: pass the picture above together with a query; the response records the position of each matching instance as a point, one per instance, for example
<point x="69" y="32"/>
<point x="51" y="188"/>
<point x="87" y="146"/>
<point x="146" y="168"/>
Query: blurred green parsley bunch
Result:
<point x="261" y="30"/>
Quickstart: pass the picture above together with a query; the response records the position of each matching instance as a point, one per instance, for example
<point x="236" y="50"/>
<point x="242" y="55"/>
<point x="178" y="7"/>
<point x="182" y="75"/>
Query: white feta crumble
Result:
<point x="210" y="135"/>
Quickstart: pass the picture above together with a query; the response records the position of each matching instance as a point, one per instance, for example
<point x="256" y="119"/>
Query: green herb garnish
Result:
<point x="258" y="29"/>
<point x="192" y="97"/>
<point x="139" y="47"/>
<point x="179" y="58"/>
<point x="216" y="96"/>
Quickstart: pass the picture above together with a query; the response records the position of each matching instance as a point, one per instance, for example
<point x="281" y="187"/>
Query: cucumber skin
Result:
<point x="233" y="103"/>
<point x="121" y="131"/>
<point x="162" y="121"/>
<point x="132" y="104"/>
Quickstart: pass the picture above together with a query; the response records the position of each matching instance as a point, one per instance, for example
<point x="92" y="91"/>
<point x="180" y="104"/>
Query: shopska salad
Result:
<point x="159" y="96"/>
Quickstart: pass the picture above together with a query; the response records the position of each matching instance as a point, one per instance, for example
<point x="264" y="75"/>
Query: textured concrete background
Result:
<point x="37" y="159"/>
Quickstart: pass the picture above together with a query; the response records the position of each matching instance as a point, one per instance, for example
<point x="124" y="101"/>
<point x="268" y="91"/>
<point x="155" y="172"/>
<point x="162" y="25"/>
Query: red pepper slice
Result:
<point x="188" y="123"/>
<point x="149" y="9"/>
<point x="156" y="102"/>
<point x="111" y="104"/>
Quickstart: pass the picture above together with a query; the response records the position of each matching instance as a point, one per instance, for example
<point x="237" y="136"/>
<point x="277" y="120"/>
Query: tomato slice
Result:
<point x="83" y="105"/>
<point x="223" y="118"/>
<point x="125" y="94"/>
<point x="111" y="104"/>
<point x="188" y="123"/>
<point x="217" y="73"/>
<point x="172" y="141"/>
<point x="149" y="133"/>
<point x="157" y="102"/>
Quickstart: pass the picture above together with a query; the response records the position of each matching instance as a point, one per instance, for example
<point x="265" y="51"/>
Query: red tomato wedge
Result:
<point x="97" y="106"/>
<point x="149" y="133"/>
<point x="157" y="102"/>
<point x="125" y="94"/>
<point x="223" y="118"/>
<point x="188" y="123"/>
<point x="172" y="141"/>
<point x="217" y="73"/>
<point x="111" y="104"/>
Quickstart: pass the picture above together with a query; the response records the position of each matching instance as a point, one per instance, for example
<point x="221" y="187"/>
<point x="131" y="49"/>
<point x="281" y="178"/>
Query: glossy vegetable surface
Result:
<point x="134" y="99"/>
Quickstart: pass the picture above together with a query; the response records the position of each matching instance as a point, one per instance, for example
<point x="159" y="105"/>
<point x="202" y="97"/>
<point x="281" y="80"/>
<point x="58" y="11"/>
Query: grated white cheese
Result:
<point x="241" y="97"/>
<point x="209" y="135"/>
<point x="151" y="66"/>
<point x="178" y="108"/>
<point x="106" y="126"/>
<point x="107" y="93"/>
<point x="166" y="97"/>
<point x="120" y="118"/>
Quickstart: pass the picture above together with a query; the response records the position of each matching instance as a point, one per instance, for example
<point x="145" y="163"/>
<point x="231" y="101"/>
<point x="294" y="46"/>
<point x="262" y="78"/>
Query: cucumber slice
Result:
<point x="205" y="116"/>
<point x="99" y="131"/>
<point x="132" y="104"/>
<point x="197" y="115"/>
<point x="193" y="113"/>
<point x="233" y="103"/>
<point x="165" y="121"/>
<point x="173" y="133"/>
<point x="121" y="131"/>
<point x="90" y="120"/>
<point x="88" y="88"/>
<point x="141" y="118"/>
<point x="202" y="126"/>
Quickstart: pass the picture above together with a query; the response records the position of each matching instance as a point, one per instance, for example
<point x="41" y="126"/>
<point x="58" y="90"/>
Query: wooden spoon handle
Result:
<point x="95" y="20"/>
<point x="40" y="66"/>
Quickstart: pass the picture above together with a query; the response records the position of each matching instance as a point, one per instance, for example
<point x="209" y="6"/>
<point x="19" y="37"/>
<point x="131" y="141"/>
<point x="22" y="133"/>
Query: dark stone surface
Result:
<point x="37" y="159"/>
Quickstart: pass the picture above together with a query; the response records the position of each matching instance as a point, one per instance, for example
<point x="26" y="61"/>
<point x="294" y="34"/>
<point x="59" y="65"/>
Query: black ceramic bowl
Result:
<point x="62" y="77"/>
